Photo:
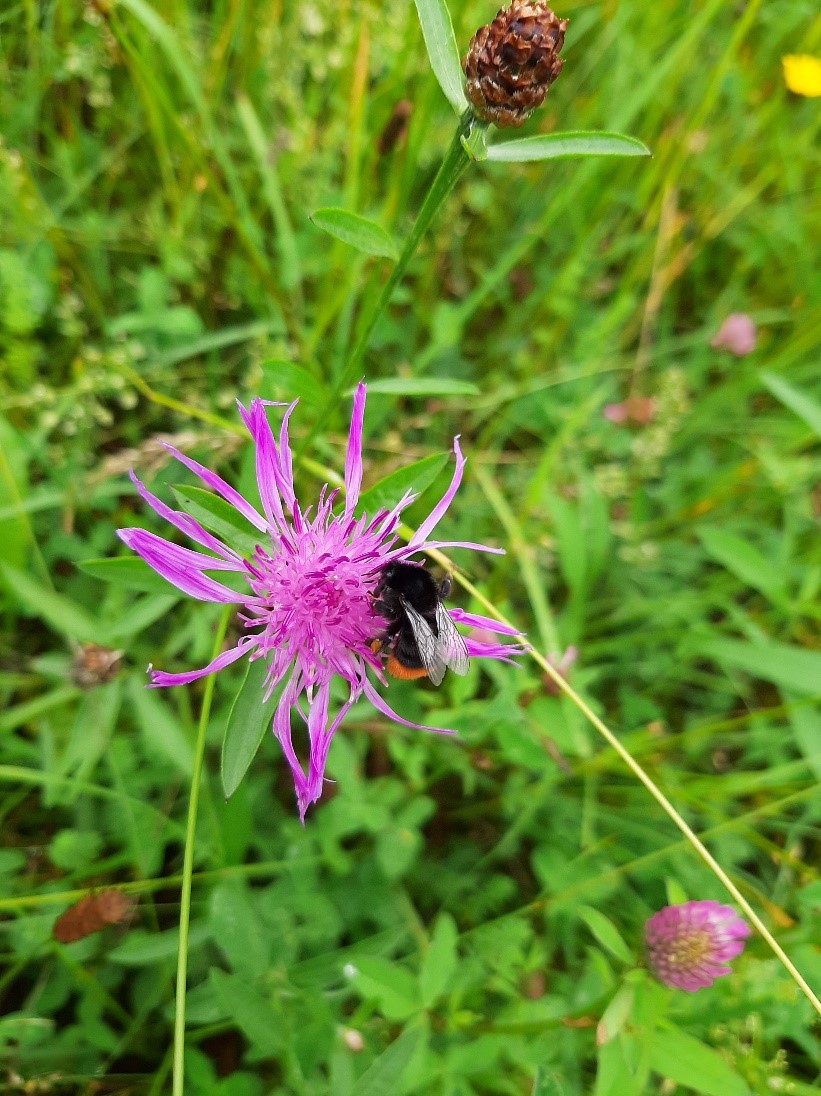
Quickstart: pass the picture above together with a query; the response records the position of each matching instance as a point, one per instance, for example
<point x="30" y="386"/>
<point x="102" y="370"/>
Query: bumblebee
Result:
<point x="420" y="637"/>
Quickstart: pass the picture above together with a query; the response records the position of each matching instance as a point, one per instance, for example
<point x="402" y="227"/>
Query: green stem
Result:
<point x="188" y="866"/>
<point x="455" y="161"/>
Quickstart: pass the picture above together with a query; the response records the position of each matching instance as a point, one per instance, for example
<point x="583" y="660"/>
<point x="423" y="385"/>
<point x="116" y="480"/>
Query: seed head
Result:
<point x="689" y="945"/>
<point x="512" y="62"/>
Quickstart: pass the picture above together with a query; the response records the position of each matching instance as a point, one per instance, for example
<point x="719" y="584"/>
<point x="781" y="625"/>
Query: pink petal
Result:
<point x="160" y="679"/>
<point x="184" y="522"/>
<point x="266" y="462"/>
<point x="476" y="620"/>
<point x="321" y="737"/>
<point x="353" y="457"/>
<point x="499" y="651"/>
<point x="282" y="730"/>
<point x="286" y="480"/>
<point x="382" y="706"/>
<point x="438" y="512"/>
<point x="218" y="484"/>
<point x="181" y="567"/>
<point x="410" y="548"/>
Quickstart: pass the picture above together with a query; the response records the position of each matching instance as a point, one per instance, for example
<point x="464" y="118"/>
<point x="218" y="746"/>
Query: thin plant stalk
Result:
<point x="188" y="864"/>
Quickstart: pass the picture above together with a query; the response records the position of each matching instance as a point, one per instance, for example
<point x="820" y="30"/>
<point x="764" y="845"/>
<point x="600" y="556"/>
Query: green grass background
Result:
<point x="445" y="899"/>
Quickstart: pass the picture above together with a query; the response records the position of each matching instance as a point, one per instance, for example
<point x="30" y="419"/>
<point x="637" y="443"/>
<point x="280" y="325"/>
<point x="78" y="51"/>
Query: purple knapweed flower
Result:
<point x="689" y="945"/>
<point x="308" y="610"/>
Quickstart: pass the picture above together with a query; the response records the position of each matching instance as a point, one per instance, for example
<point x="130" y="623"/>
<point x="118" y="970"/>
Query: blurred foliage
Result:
<point x="426" y="931"/>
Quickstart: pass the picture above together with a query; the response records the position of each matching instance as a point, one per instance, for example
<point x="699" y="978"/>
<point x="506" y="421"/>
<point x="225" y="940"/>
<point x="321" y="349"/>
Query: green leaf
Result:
<point x="161" y="731"/>
<point x="548" y="1082"/>
<point x="806" y="726"/>
<point x="616" y="1075"/>
<point x="249" y="1010"/>
<point x="218" y="517"/>
<point x="803" y="405"/>
<point x="392" y="987"/>
<point x="131" y="572"/>
<point x="606" y="933"/>
<point x="688" y="1062"/>
<point x="356" y="231"/>
<point x="439" y="962"/>
<point x="791" y="667"/>
<point x="285" y="380"/>
<point x="390" y="489"/>
<point x="616" y="1015"/>
<point x="249" y="718"/>
<point x="742" y="559"/>
<point x="554" y="146"/>
<point x="144" y="949"/>
<point x="237" y="929"/>
<point x="443" y="53"/>
<point x="38" y="600"/>
<point x="421" y="386"/>
<point x="383" y="1076"/>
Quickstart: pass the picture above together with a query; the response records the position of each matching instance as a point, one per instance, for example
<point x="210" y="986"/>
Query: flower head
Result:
<point x="308" y="608"/>
<point x="688" y="945"/>
<point x="512" y="62"/>
<point x="802" y="74"/>
<point x="736" y="334"/>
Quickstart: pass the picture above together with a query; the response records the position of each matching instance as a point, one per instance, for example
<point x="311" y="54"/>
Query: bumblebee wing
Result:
<point x="449" y="643"/>
<point x="430" y="654"/>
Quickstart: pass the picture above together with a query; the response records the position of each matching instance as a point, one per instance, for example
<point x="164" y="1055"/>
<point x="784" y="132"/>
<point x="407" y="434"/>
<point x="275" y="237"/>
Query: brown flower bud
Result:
<point x="513" y="61"/>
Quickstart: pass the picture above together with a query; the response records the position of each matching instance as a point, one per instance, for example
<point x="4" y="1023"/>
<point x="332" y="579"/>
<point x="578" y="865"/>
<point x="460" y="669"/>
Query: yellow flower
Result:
<point x="802" y="74"/>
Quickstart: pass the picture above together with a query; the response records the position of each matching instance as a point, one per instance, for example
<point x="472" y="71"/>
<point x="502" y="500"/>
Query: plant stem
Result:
<point x="188" y="865"/>
<point x="455" y="161"/>
<point x="649" y="784"/>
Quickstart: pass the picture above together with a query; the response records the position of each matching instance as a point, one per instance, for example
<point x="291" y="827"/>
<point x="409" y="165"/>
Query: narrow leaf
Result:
<point x="392" y="987"/>
<point x="384" y="1075"/>
<point x="616" y="1015"/>
<point x="57" y="611"/>
<point x="796" y="668"/>
<point x="741" y="559"/>
<point x="389" y="490"/>
<point x="803" y="405"/>
<point x="422" y="386"/>
<point x="249" y="1010"/>
<point x="163" y="734"/>
<point x="356" y="231"/>
<point x="443" y="53"/>
<point x="130" y="572"/>
<point x="606" y="933"/>
<point x="688" y="1062"/>
<point x="439" y="962"/>
<point x="218" y="517"/>
<point x="554" y="146"/>
<point x="248" y="720"/>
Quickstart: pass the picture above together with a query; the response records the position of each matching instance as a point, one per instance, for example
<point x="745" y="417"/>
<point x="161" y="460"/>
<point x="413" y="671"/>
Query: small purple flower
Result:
<point x="309" y="608"/>
<point x="688" y="945"/>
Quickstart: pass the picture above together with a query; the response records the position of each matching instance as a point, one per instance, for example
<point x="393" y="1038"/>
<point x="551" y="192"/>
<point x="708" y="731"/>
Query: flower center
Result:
<point x="690" y="950"/>
<point x="312" y="600"/>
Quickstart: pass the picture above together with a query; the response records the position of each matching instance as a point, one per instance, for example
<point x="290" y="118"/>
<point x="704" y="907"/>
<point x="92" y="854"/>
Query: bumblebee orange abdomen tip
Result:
<point x="405" y="673"/>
